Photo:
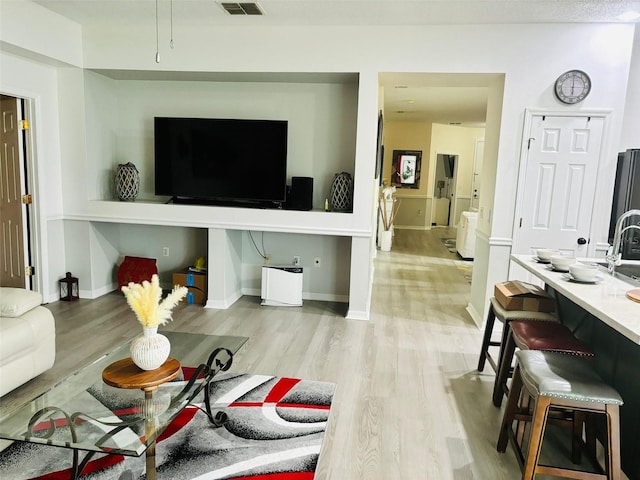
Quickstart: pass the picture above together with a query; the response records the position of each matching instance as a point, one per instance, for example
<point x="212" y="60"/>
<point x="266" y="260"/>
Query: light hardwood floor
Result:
<point x="409" y="402"/>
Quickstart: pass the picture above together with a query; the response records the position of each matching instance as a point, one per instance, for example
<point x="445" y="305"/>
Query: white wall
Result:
<point x="321" y="124"/>
<point x="24" y="78"/>
<point x="530" y="60"/>
<point x="37" y="33"/>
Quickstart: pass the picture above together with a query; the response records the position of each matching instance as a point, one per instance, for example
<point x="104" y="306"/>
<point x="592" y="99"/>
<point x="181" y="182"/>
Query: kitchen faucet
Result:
<point x="614" y="257"/>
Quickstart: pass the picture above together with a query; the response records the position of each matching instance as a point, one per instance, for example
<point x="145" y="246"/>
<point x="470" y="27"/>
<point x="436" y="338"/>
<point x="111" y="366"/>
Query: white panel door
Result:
<point x="12" y="211"/>
<point x="558" y="187"/>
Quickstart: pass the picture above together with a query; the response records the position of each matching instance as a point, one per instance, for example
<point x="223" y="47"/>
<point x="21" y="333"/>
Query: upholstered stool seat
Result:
<point x="505" y="316"/>
<point x="534" y="335"/>
<point x="566" y="382"/>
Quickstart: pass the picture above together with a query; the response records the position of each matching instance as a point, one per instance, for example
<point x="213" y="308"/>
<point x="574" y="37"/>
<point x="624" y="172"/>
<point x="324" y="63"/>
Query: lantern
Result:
<point x="69" y="288"/>
<point x="342" y="193"/>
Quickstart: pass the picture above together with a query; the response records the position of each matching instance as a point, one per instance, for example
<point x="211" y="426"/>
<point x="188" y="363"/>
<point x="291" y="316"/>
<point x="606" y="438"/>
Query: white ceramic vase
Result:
<point x="150" y="350"/>
<point x="385" y="240"/>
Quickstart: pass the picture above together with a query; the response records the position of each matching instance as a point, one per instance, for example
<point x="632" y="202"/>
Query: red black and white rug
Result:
<point x="274" y="431"/>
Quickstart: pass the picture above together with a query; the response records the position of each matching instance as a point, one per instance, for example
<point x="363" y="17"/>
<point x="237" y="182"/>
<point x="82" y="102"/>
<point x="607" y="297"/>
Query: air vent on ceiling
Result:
<point x="248" y="8"/>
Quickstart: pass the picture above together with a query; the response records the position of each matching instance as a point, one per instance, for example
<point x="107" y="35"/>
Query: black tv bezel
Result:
<point x="163" y="187"/>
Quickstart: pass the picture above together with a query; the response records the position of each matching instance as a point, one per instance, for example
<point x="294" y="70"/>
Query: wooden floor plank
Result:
<point x="409" y="403"/>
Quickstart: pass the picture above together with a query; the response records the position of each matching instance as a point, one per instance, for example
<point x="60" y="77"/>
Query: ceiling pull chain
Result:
<point x="171" y="41"/>
<point x="157" y="36"/>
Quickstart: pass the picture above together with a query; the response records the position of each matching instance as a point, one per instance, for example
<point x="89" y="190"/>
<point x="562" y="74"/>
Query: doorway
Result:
<point x="444" y="189"/>
<point x="15" y="196"/>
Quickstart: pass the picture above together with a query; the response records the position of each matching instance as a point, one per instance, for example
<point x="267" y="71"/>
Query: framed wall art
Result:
<point x="379" y="150"/>
<point x="405" y="170"/>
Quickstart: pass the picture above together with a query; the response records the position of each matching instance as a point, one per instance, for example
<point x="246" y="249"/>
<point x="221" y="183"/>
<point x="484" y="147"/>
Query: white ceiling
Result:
<point x="348" y="12"/>
<point x="421" y="99"/>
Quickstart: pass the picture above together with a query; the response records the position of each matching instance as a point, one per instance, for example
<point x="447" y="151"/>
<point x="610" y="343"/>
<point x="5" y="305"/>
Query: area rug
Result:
<point x="274" y="431"/>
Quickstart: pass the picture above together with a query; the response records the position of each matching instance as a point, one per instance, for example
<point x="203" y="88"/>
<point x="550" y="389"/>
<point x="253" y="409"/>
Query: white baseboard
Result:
<point x="323" y="297"/>
<point x="475" y="316"/>
<point x="357" y="315"/>
<point x="224" y="304"/>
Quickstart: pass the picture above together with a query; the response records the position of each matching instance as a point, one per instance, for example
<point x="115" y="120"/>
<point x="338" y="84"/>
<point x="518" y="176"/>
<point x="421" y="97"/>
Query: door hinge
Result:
<point x="29" y="271"/>
<point x="520" y="222"/>
<point x="24" y="125"/>
<point x="27" y="199"/>
<point x="531" y="139"/>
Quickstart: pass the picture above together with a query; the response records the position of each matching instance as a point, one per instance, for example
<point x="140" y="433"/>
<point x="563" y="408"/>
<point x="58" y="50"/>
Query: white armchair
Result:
<point x="27" y="337"/>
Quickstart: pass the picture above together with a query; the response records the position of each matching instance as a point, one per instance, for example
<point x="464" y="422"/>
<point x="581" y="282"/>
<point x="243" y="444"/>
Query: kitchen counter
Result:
<point x="602" y="316"/>
<point x="605" y="300"/>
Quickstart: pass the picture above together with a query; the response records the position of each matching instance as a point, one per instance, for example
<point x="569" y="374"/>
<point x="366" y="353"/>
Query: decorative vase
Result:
<point x="127" y="182"/>
<point x="342" y="193"/>
<point x="385" y="240"/>
<point x="150" y="350"/>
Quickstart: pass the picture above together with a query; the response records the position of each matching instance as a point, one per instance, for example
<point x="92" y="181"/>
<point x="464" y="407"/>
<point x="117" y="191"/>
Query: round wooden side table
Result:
<point x="126" y="374"/>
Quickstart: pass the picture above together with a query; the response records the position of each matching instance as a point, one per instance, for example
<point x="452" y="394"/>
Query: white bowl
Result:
<point x="584" y="272"/>
<point x="562" y="262"/>
<point x="545" y="254"/>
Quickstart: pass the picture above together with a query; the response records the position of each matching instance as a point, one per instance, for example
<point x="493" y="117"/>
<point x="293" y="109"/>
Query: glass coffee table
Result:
<point x="85" y="414"/>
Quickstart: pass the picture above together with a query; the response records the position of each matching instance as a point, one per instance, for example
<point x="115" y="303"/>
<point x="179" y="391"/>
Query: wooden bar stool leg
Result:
<point x="590" y="434"/>
<point x="576" y="436"/>
<point x="500" y="383"/>
<point x="486" y="340"/>
<point x="613" y="445"/>
<point x="503" y="342"/>
<point x="525" y="406"/>
<point x="510" y="411"/>
<point x="538" y="426"/>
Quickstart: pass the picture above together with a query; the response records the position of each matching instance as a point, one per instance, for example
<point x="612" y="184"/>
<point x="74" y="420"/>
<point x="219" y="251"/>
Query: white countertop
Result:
<point x="605" y="300"/>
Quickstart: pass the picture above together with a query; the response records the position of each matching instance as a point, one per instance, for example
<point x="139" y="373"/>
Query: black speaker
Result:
<point x="301" y="196"/>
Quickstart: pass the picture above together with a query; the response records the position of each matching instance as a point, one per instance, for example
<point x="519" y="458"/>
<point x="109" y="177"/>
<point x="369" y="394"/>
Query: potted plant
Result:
<point x="387" y="216"/>
<point x="151" y="349"/>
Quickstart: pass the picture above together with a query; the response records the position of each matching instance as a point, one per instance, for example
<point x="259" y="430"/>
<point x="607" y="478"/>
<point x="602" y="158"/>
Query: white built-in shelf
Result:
<point x="317" y="222"/>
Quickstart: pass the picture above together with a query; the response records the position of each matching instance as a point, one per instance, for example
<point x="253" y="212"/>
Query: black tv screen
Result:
<point x="221" y="160"/>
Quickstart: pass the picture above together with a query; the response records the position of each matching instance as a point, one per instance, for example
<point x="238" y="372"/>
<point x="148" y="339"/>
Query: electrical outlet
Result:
<point x="316" y="261"/>
<point x="296" y="260"/>
<point x="165" y="251"/>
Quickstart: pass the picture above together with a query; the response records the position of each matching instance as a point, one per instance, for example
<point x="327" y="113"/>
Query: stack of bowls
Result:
<point x="561" y="263"/>
<point x="544" y="254"/>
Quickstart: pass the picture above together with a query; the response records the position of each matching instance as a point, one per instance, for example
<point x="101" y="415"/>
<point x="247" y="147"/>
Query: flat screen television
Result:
<point x="221" y="161"/>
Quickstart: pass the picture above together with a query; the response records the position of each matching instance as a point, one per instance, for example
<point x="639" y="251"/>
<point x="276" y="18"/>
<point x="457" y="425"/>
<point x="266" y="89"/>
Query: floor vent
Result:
<point x="250" y="8"/>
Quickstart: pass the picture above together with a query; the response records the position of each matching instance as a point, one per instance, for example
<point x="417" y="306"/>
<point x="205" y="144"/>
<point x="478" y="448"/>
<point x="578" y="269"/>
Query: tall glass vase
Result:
<point x="150" y="350"/>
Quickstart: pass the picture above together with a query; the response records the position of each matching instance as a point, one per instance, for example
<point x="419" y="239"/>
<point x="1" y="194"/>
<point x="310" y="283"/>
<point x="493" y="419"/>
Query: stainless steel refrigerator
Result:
<point x="626" y="196"/>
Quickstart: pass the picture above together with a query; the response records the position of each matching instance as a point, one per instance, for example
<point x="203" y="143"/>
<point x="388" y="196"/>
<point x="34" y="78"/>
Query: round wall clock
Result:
<point x="573" y="86"/>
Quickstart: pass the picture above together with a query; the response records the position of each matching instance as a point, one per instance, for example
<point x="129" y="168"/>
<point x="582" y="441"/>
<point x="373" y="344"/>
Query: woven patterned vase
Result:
<point x="342" y="193"/>
<point x="127" y="182"/>
<point x="150" y="350"/>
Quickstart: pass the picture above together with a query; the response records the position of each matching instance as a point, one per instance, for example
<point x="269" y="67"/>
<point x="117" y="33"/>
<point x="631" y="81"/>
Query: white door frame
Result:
<point x="522" y="167"/>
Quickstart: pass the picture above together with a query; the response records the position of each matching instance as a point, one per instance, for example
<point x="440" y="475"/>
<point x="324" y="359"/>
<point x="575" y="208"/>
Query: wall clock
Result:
<point x="572" y="86"/>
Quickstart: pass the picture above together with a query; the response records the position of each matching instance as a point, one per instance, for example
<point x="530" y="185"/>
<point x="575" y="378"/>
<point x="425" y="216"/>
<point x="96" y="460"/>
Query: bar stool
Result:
<point x="505" y="316"/>
<point x="557" y="381"/>
<point x="534" y="335"/>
